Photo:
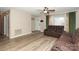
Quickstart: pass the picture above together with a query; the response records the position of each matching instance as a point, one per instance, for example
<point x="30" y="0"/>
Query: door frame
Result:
<point x="3" y="14"/>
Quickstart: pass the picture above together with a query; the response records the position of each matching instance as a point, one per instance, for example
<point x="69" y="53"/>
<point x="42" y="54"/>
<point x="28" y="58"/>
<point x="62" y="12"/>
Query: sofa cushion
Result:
<point x="63" y="46"/>
<point x="64" y="43"/>
<point x="66" y="37"/>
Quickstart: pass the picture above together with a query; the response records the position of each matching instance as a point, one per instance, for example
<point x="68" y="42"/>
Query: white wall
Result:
<point x="43" y="24"/>
<point x="33" y="24"/>
<point x="77" y="19"/>
<point x="51" y="20"/>
<point x="20" y="23"/>
<point x="40" y="26"/>
<point x="37" y="23"/>
<point x="66" y="28"/>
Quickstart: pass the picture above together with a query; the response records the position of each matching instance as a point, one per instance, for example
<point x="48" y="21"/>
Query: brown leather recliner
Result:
<point x="54" y="31"/>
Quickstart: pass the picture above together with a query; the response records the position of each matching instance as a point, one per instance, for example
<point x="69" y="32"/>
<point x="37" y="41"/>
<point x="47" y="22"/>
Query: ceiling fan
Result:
<point x="46" y="10"/>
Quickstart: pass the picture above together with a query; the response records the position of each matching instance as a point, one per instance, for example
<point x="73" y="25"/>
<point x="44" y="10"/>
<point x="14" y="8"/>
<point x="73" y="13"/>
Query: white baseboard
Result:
<point x="20" y="35"/>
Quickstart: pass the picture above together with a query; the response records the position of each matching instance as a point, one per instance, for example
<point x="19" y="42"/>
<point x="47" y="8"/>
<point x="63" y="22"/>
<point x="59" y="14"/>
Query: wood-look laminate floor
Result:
<point x="32" y="42"/>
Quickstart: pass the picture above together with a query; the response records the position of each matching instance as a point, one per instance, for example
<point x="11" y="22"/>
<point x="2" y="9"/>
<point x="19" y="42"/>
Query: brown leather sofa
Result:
<point x="54" y="31"/>
<point x="67" y="42"/>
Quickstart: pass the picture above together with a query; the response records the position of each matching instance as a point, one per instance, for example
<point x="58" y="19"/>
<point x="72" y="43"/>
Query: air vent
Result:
<point x="18" y="31"/>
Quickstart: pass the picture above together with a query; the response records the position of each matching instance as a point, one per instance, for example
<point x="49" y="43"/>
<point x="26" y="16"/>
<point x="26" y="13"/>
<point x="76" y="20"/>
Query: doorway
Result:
<point x="4" y="25"/>
<point x="35" y="24"/>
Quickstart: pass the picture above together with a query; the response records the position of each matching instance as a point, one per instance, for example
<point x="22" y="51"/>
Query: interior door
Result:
<point x="37" y="24"/>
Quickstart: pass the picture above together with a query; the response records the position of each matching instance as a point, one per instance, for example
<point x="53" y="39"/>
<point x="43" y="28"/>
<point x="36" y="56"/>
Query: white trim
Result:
<point x="20" y="35"/>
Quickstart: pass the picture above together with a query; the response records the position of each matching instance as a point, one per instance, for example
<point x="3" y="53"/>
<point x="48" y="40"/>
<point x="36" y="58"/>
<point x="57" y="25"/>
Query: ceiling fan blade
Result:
<point x="52" y="10"/>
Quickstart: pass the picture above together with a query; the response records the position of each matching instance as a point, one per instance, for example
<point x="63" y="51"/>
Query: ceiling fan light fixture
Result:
<point x="45" y="9"/>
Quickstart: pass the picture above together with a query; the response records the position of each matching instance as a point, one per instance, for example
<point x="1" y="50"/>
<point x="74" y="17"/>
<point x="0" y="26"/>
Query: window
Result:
<point x="59" y="20"/>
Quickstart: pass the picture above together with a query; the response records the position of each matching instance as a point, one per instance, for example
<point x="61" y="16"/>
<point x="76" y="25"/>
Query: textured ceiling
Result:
<point x="36" y="10"/>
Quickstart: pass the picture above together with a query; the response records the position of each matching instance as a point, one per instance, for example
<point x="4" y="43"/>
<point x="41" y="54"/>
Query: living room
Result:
<point x="39" y="29"/>
<point x="30" y="24"/>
